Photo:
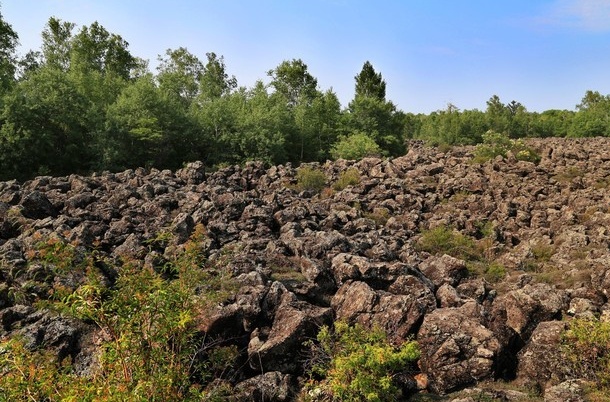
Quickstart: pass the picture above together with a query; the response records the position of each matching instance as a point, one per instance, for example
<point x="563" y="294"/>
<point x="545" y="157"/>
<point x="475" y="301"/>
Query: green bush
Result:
<point x="354" y="363"/>
<point x="586" y="345"/>
<point x="496" y="144"/>
<point x="495" y="272"/>
<point x="355" y="146"/>
<point x="150" y="349"/>
<point x="309" y="179"/>
<point x="445" y="240"/>
<point x="349" y="177"/>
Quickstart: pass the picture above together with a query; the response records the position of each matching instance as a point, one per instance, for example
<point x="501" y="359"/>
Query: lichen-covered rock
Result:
<point x="541" y="362"/>
<point x="567" y="391"/>
<point x="398" y="314"/>
<point x="457" y="350"/>
<point x="278" y="348"/>
<point x="268" y="387"/>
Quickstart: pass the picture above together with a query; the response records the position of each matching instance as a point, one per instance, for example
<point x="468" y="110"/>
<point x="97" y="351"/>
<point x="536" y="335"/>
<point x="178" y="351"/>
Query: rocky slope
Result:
<point x="305" y="259"/>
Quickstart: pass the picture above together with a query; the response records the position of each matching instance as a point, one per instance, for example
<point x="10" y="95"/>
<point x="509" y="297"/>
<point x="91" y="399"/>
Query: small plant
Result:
<point x="444" y="240"/>
<point x="542" y="252"/>
<point x="495" y="272"/>
<point x="569" y="174"/>
<point x="355" y="146"/>
<point x="349" y="177"/>
<point x="309" y="179"/>
<point x="352" y="363"/>
<point x="586" y="346"/>
<point x="497" y="144"/>
<point x="379" y="215"/>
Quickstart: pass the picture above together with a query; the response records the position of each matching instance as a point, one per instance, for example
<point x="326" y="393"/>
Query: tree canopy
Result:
<point x="83" y="102"/>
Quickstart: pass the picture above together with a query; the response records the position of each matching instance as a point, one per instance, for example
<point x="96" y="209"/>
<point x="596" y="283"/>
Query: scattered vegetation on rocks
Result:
<point x="310" y="179"/>
<point x="353" y="363"/>
<point x="586" y="346"/>
<point x="150" y="349"/>
<point x="497" y="144"/>
<point x="349" y="177"/>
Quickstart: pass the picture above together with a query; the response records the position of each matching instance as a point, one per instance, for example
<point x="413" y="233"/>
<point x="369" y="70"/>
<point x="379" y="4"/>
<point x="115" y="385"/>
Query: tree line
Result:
<point x="83" y="102"/>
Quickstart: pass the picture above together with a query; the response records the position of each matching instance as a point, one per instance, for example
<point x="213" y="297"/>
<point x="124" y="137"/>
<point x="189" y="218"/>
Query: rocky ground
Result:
<point x="304" y="259"/>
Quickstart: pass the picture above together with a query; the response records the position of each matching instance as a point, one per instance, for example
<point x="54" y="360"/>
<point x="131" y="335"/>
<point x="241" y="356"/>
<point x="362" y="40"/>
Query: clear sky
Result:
<point x="542" y="53"/>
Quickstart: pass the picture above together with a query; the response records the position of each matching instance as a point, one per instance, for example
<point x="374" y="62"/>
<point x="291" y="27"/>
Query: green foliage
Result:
<point x="310" y="179"/>
<point x="379" y="120"/>
<point x="370" y="83"/>
<point x="84" y="103"/>
<point x="444" y="240"/>
<point x="349" y="177"/>
<point x="495" y="272"/>
<point x="496" y="144"/>
<point x="150" y="350"/>
<point x="43" y="117"/>
<point x="451" y="126"/>
<point x="355" y="146"/>
<point x="379" y="215"/>
<point x="293" y="81"/>
<point x="357" y="364"/>
<point x="568" y="174"/>
<point x="8" y="44"/>
<point x="586" y="346"/>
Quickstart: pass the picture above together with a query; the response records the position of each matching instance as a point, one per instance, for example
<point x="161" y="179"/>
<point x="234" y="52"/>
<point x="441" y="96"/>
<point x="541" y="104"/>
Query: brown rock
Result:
<point x="456" y="349"/>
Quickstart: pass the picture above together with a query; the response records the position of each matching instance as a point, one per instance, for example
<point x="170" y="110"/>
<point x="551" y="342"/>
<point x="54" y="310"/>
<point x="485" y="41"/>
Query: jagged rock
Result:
<point x="268" y="387"/>
<point x="295" y="254"/>
<point x="457" y="350"/>
<point x="36" y="205"/>
<point x="346" y="266"/>
<point x="523" y="309"/>
<point x="398" y="314"/>
<point x="444" y="269"/>
<point x="476" y="394"/>
<point x="541" y="362"/>
<point x="294" y="323"/>
<point x="567" y="391"/>
<point x="448" y="296"/>
<point x="182" y="227"/>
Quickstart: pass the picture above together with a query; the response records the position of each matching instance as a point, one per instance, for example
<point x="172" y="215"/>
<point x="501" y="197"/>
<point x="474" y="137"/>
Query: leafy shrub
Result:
<point x="356" y="364"/>
<point x="495" y="272"/>
<point x="496" y="144"/>
<point x="379" y="215"/>
<point x="586" y="345"/>
<point x="309" y="179"/>
<point x="150" y="349"/>
<point x="349" y="177"/>
<point x="355" y="146"/>
<point x="568" y="174"/>
<point x="444" y="240"/>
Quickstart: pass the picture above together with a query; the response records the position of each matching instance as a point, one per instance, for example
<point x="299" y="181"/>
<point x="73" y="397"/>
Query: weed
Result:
<point x="495" y="272"/>
<point x="496" y="144"/>
<point x="349" y="177"/>
<point x="444" y="240"/>
<point x="309" y="179"/>
<point x="352" y="363"/>
<point x="379" y="215"/>
<point x="586" y="346"/>
<point x="568" y="174"/>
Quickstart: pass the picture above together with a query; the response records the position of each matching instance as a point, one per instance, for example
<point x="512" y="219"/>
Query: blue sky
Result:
<point x="542" y="53"/>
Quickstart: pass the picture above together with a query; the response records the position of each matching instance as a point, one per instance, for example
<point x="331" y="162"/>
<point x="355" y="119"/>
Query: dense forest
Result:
<point x="83" y="103"/>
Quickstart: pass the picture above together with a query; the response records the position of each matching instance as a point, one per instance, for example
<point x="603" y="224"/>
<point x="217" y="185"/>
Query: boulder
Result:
<point x="36" y="205"/>
<point x="398" y="314"/>
<point x="279" y="348"/>
<point x="457" y="350"/>
<point x="541" y="363"/>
